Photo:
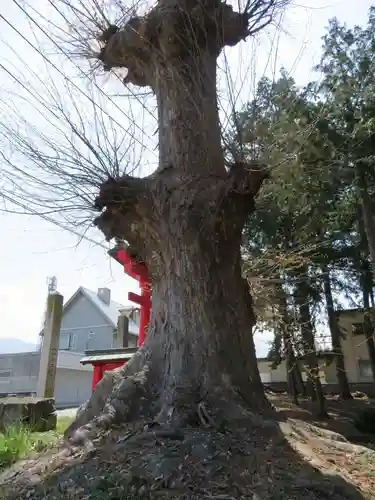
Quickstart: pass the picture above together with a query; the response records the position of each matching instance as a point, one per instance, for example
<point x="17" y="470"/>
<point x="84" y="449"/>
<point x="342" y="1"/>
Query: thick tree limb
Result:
<point x="123" y="204"/>
<point x="247" y="178"/>
<point x="129" y="204"/>
<point x="131" y="48"/>
<point x="172" y="31"/>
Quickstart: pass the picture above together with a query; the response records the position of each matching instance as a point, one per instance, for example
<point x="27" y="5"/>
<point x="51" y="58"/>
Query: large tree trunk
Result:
<point x="335" y="337"/>
<point x="185" y="222"/>
<point x="302" y="302"/>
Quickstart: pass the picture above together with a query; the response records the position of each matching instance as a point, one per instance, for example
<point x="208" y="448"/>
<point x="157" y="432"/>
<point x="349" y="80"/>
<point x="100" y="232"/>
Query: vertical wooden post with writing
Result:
<point x="48" y="355"/>
<point x="123" y="330"/>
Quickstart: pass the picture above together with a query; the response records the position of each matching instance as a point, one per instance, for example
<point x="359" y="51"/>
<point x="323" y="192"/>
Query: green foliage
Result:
<point x="316" y="140"/>
<point x="348" y="66"/>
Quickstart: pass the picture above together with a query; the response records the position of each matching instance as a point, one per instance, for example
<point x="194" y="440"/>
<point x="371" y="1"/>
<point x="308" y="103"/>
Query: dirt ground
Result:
<point x="341" y="412"/>
<point x="297" y="457"/>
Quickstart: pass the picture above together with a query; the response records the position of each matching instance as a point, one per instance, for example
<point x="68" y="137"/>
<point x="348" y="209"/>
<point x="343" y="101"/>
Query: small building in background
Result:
<point x="19" y="376"/>
<point x="89" y="322"/>
<point x="277" y="376"/>
<point x="354" y="349"/>
<point x="354" y="345"/>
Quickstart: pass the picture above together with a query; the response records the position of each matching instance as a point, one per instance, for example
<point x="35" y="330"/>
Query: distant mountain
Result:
<point x="10" y="346"/>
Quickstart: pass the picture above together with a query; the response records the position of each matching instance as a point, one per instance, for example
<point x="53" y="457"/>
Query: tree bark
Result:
<point x="295" y="381"/>
<point x="367" y="210"/>
<point x="185" y="222"/>
<point x="200" y="330"/>
<point x="335" y="337"/>
<point x="302" y="302"/>
<point x="368" y="321"/>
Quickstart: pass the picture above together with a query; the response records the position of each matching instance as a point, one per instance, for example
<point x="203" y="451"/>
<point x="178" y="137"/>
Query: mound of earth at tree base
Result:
<point x="252" y="459"/>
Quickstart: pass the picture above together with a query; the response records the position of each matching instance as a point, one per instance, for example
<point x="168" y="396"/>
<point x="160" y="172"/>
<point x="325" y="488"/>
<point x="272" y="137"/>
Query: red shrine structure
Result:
<point x="110" y="359"/>
<point x="139" y="272"/>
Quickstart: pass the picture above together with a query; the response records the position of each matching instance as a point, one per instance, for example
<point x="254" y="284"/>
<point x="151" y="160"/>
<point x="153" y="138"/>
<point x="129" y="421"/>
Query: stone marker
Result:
<point x="48" y="355"/>
<point x="38" y="414"/>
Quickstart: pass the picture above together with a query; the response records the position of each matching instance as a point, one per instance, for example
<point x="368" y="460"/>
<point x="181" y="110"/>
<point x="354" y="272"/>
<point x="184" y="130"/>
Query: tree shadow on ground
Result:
<point x="252" y="460"/>
<point x="341" y="412"/>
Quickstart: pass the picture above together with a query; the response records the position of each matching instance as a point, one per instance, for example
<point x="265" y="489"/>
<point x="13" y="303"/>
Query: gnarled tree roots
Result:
<point x="130" y="394"/>
<point x="197" y="429"/>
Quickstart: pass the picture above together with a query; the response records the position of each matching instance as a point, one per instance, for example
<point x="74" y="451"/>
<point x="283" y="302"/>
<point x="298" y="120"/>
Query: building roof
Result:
<point x="108" y="355"/>
<point x="110" y="311"/>
<point x="67" y="360"/>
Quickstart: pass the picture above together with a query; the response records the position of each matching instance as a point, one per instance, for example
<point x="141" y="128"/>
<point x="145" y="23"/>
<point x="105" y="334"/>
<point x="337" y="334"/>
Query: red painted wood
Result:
<point x="100" y="367"/>
<point x="123" y="257"/>
<point x="144" y="320"/>
<point x="134" y="297"/>
<point x="140" y="273"/>
<point x="134" y="269"/>
<point x="145" y="311"/>
<point x="111" y="366"/>
<point x="96" y="376"/>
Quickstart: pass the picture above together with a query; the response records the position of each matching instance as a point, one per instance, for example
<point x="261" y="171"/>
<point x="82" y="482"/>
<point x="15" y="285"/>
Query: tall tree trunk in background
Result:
<point x="185" y="222"/>
<point x="335" y="337"/>
<point x="307" y="333"/>
<point x="295" y="381"/>
<point x="368" y="322"/>
<point x="366" y="280"/>
<point x="294" y="376"/>
<point x="367" y="210"/>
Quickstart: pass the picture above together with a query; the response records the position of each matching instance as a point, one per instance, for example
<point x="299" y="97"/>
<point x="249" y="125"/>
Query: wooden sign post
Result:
<point x="50" y="346"/>
<point x="123" y="330"/>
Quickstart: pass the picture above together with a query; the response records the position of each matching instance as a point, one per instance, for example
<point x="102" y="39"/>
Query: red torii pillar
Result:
<point x="139" y="272"/>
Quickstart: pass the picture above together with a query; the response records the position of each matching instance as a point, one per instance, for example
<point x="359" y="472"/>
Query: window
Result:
<point x="90" y="340"/>
<point x="358" y="329"/>
<point x="365" y="370"/>
<point x="135" y="316"/>
<point x="5" y="373"/>
<point x="67" y="341"/>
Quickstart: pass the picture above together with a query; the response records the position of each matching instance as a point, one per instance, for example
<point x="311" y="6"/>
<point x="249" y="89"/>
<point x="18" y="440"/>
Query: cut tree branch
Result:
<point x="123" y="203"/>
<point x="172" y="31"/>
<point x="128" y="48"/>
<point x="246" y="178"/>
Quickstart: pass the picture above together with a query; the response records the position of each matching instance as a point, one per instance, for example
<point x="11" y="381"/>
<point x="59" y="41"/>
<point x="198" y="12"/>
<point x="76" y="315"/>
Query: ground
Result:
<point x="300" y="458"/>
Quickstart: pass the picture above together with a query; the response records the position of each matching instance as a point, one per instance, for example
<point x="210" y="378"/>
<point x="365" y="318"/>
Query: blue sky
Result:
<point x="33" y="249"/>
